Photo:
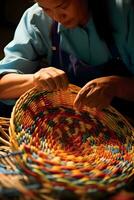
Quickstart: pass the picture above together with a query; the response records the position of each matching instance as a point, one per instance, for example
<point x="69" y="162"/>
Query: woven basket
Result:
<point x="12" y="182"/>
<point x="4" y="126"/>
<point x="67" y="150"/>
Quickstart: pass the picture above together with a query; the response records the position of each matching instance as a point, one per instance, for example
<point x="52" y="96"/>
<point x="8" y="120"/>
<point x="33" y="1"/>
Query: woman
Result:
<point x="88" y="43"/>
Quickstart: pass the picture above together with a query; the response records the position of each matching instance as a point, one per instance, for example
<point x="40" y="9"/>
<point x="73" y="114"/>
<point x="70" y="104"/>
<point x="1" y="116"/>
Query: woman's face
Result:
<point x="70" y="13"/>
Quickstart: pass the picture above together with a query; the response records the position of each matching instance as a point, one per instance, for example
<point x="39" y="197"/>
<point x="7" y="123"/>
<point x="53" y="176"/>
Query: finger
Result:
<point x="46" y="81"/>
<point x="41" y="86"/>
<point x="61" y="79"/>
<point x="91" y="98"/>
<point x="81" y="96"/>
<point x="49" y="84"/>
<point x="97" y="100"/>
<point x="36" y="82"/>
<point x="42" y="79"/>
<point x="78" y="100"/>
<point x="102" y="105"/>
<point x="50" y="81"/>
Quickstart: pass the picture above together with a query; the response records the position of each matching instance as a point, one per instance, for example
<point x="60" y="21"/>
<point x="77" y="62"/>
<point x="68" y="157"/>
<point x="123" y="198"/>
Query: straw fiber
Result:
<point x="66" y="150"/>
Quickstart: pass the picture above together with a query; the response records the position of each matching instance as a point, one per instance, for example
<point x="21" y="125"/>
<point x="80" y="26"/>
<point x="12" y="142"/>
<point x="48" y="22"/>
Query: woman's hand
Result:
<point x="50" y="78"/>
<point x="97" y="93"/>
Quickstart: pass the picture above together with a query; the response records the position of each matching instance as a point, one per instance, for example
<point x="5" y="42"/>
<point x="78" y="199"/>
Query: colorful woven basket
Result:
<point x="64" y="149"/>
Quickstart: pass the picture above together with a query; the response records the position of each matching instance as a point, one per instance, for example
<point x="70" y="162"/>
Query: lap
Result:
<point x="5" y="110"/>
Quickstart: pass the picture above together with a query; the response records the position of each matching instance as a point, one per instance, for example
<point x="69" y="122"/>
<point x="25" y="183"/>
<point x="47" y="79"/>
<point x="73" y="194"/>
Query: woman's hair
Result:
<point x="99" y="10"/>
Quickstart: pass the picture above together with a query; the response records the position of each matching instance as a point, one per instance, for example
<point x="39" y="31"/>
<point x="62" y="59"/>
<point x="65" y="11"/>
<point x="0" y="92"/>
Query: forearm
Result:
<point x="14" y="85"/>
<point x="125" y="88"/>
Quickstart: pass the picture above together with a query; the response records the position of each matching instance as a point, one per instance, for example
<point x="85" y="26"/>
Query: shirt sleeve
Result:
<point x="122" y="18"/>
<point x="31" y="42"/>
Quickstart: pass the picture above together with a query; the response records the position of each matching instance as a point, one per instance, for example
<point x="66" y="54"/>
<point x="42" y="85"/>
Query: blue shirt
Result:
<point x="32" y="40"/>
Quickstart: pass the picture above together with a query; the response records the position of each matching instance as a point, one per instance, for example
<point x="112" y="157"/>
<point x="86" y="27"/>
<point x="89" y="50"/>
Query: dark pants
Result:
<point x="5" y="110"/>
<point x="126" y="108"/>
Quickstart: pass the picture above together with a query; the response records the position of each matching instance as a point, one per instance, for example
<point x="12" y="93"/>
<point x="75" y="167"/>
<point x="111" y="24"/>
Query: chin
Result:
<point x="70" y="25"/>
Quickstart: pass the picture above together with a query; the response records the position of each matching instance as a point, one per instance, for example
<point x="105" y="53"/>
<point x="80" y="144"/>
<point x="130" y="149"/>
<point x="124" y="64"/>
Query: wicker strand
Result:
<point x="3" y="141"/>
<point x="4" y="134"/>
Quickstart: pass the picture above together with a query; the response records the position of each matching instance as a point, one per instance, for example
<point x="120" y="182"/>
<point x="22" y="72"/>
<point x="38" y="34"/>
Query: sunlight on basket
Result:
<point x="70" y="150"/>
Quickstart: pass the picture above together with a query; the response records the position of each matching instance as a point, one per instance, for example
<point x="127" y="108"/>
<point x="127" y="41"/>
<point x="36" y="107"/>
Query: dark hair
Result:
<point x="101" y="18"/>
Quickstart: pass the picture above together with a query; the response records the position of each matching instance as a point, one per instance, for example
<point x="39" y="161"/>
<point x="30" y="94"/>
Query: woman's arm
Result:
<point x="100" y="92"/>
<point x="125" y="88"/>
<point x="22" y="55"/>
<point x="14" y="85"/>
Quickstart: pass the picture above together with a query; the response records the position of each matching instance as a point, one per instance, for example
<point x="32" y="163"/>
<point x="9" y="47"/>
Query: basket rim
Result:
<point x="75" y="90"/>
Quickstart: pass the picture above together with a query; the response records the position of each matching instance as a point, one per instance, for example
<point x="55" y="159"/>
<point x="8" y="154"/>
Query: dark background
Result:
<point x="10" y="14"/>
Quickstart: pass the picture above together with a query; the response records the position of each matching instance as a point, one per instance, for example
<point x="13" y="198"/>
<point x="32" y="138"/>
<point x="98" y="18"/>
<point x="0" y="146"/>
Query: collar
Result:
<point x="61" y="28"/>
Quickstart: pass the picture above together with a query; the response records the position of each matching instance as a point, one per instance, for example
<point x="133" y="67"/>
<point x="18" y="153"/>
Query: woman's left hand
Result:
<point x="97" y="93"/>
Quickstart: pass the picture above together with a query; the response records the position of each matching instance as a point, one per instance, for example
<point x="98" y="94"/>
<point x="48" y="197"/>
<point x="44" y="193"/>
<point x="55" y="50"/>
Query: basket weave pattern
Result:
<point x="70" y="150"/>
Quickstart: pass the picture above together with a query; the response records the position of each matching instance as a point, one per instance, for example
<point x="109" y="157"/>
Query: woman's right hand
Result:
<point x="50" y="78"/>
